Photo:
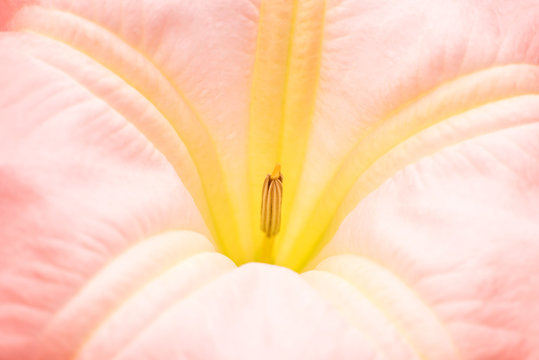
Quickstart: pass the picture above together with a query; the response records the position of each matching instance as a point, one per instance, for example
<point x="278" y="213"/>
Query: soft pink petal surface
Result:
<point x="464" y="237"/>
<point x="427" y="112"/>
<point x="458" y="219"/>
<point x="88" y="258"/>
<point x="391" y="69"/>
<point x="256" y="312"/>
<point x="78" y="185"/>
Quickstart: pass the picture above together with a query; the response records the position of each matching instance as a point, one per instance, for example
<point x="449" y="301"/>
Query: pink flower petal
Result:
<point x="255" y="312"/>
<point x="127" y="294"/>
<point x="171" y="58"/>
<point x="78" y="185"/>
<point x="460" y="228"/>
<point x="392" y="69"/>
<point x="438" y="97"/>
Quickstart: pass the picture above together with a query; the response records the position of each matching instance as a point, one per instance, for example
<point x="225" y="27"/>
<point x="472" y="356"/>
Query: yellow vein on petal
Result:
<point x="287" y="67"/>
<point x="53" y="24"/>
<point x="226" y="265"/>
<point x="417" y="148"/>
<point x="359" y="190"/>
<point x="165" y="311"/>
<point x="330" y="287"/>
<point x="376" y="307"/>
<point x="117" y="110"/>
<point x="186" y="164"/>
<point x="152" y="254"/>
<point x="397" y="301"/>
<point x="302" y="87"/>
<point x="266" y="99"/>
<point x="409" y="121"/>
<point x="284" y="85"/>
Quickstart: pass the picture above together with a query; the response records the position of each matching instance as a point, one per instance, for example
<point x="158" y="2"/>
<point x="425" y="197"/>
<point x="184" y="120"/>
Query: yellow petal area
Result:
<point x="317" y="211"/>
<point x="285" y="79"/>
<point x="163" y="269"/>
<point x="379" y="303"/>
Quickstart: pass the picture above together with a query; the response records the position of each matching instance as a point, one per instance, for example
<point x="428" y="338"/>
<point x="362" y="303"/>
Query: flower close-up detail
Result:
<point x="269" y="179"/>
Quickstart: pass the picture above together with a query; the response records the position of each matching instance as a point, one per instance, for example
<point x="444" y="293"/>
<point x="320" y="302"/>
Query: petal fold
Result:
<point x="78" y="185"/>
<point x="389" y="71"/>
<point x="255" y="312"/>
<point x="460" y="228"/>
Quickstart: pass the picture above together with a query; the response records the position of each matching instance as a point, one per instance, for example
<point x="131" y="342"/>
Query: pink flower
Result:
<point x="135" y="137"/>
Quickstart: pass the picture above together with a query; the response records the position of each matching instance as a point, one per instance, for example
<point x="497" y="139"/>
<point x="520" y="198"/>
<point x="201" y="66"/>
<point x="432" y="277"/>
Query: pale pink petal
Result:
<point x="191" y="60"/>
<point x="455" y="129"/>
<point x="79" y="184"/>
<point x="363" y="314"/>
<point x="380" y="304"/>
<point x="128" y="293"/>
<point x="94" y="94"/>
<point x="93" y="304"/>
<point x="255" y="312"/>
<point x="391" y="69"/>
<point x="460" y="228"/>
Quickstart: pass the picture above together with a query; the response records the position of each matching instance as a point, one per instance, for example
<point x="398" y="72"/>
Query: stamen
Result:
<point x="272" y="196"/>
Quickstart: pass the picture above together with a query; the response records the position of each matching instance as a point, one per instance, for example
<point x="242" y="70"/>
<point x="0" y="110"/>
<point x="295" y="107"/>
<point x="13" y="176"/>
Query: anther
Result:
<point x="272" y="196"/>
